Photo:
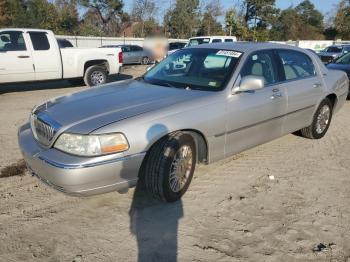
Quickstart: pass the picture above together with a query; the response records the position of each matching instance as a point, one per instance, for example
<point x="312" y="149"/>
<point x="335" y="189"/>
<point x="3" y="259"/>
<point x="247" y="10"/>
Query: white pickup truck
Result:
<point x="34" y="55"/>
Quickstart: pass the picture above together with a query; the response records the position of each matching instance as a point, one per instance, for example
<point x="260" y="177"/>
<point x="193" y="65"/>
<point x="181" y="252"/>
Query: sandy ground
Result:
<point x="233" y="211"/>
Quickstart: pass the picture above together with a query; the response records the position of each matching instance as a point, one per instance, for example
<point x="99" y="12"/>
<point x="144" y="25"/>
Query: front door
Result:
<point x="16" y="62"/>
<point x="256" y="117"/>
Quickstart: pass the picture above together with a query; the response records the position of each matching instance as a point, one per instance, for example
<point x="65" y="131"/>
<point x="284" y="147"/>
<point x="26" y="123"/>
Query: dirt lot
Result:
<point x="233" y="210"/>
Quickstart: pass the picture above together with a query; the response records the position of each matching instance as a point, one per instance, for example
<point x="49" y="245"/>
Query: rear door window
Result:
<point x="296" y="65"/>
<point x="12" y="41"/>
<point x="228" y="40"/>
<point x="39" y="40"/>
<point x="216" y="41"/>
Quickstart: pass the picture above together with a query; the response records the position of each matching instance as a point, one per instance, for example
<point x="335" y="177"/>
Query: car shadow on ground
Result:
<point x="155" y="226"/>
<point x="53" y="84"/>
<point x="153" y="223"/>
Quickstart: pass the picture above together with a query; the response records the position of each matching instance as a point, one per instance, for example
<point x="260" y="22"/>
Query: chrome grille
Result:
<point x="43" y="131"/>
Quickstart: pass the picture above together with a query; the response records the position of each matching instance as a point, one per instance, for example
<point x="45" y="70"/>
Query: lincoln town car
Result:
<point x="199" y="105"/>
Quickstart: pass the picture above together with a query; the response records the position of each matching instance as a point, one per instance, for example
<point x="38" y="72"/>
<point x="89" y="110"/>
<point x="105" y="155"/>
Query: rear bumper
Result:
<point x="76" y="175"/>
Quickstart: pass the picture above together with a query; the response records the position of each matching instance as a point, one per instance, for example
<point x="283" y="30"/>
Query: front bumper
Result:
<point x="78" y="175"/>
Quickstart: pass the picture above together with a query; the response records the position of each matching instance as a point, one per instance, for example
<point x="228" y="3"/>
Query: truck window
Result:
<point x="228" y="40"/>
<point x="216" y="41"/>
<point x="12" y="41"/>
<point x="39" y="41"/>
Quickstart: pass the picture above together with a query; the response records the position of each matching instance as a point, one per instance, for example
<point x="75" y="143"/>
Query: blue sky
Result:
<point x="325" y="6"/>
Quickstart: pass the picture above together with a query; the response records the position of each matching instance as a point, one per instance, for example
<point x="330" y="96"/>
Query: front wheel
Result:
<point x="95" y="75"/>
<point x="170" y="166"/>
<point x="145" y="60"/>
<point x="321" y="121"/>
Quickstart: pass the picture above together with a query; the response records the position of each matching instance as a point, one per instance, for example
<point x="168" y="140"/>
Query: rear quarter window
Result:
<point x="40" y="41"/>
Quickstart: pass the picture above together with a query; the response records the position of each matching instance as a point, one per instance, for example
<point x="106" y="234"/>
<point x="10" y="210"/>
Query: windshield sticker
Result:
<point x="229" y="53"/>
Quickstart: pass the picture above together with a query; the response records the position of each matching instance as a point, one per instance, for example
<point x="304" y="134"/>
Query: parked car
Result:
<point x="34" y="55"/>
<point x="343" y="64"/>
<point x="210" y="39"/>
<point x="333" y="52"/>
<point x="174" y="46"/>
<point x="133" y="54"/>
<point x="197" y="106"/>
<point x="64" y="43"/>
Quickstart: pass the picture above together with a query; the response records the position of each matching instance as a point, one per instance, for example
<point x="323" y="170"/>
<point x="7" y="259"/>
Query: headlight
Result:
<point x="92" y="145"/>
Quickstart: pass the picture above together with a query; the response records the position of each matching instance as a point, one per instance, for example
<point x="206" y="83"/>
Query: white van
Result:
<point x="210" y="39"/>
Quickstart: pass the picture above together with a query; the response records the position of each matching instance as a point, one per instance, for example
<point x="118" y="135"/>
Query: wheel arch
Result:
<point x="333" y="98"/>
<point x="199" y="139"/>
<point x="99" y="62"/>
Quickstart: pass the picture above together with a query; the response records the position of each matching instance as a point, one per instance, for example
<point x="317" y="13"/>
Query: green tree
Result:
<point x="143" y="12"/>
<point x="234" y="25"/>
<point x="108" y="15"/>
<point x="182" y="21"/>
<point x="209" y="24"/>
<point x="342" y="20"/>
<point x="68" y="17"/>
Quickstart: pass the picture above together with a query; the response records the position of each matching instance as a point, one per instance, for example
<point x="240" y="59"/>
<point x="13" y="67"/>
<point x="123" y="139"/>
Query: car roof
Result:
<point x="247" y="46"/>
<point x="212" y="36"/>
<point x="25" y="29"/>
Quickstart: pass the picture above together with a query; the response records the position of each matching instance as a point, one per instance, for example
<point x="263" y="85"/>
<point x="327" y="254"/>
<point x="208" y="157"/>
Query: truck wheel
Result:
<point x="95" y="75"/>
<point x="145" y="60"/>
<point x="321" y="121"/>
<point x="170" y="166"/>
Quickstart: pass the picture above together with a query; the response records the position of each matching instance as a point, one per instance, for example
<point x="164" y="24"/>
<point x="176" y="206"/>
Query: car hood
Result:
<point x="328" y="54"/>
<point x="86" y="111"/>
<point x="342" y="67"/>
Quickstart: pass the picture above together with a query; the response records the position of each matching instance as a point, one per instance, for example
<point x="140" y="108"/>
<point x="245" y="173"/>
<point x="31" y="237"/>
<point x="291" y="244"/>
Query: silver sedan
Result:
<point x="134" y="54"/>
<point x="197" y="106"/>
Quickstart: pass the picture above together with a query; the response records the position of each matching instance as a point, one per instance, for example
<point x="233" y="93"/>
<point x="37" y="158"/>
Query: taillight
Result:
<point x="120" y="57"/>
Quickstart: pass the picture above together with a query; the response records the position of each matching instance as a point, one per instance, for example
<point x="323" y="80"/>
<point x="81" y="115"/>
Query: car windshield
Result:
<point x="198" y="41"/>
<point x="195" y="68"/>
<point x="344" y="60"/>
<point x="333" y="49"/>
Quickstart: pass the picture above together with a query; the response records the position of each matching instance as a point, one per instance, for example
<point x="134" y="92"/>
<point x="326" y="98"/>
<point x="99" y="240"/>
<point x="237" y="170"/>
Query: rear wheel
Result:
<point x="170" y="166"/>
<point x="95" y="75"/>
<point x="321" y="121"/>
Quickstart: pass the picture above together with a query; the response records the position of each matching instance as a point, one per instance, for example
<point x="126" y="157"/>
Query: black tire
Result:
<point x="160" y="160"/>
<point x="95" y="75"/>
<point x="311" y="131"/>
<point x="145" y="60"/>
<point x="76" y="81"/>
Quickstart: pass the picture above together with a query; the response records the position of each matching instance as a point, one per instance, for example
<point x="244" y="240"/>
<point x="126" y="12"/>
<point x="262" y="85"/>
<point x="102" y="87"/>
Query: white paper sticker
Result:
<point x="229" y="53"/>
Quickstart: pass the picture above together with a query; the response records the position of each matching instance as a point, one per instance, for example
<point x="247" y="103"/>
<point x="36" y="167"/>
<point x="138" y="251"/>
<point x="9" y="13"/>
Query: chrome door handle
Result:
<point x="276" y="95"/>
<point x="317" y="85"/>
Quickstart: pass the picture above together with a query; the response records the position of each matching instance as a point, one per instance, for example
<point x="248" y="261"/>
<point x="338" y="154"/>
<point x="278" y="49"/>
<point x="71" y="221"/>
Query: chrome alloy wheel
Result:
<point x="180" y="169"/>
<point x="323" y="119"/>
<point x="97" y="78"/>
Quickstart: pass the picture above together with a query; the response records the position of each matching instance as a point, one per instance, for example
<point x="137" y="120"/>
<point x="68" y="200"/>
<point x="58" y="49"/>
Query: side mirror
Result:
<point x="250" y="83"/>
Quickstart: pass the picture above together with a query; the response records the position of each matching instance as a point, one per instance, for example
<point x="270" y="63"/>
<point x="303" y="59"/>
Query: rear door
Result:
<point x="46" y="56"/>
<point x="256" y="117"/>
<point x="16" y="63"/>
<point x="304" y="87"/>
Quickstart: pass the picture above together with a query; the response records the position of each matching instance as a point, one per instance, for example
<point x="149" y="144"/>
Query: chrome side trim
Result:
<point x="77" y="166"/>
<point x="262" y="122"/>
